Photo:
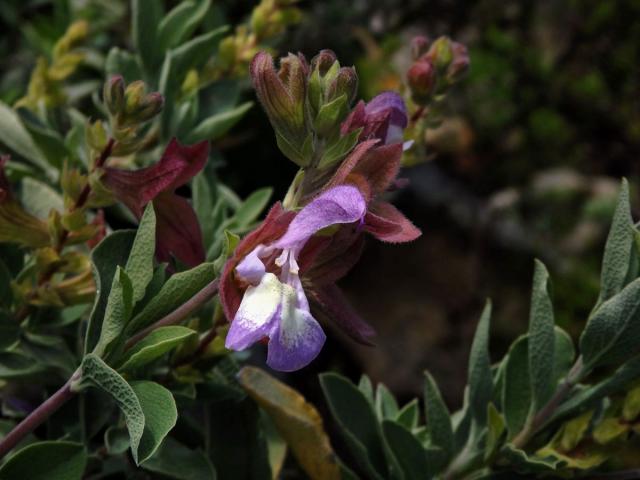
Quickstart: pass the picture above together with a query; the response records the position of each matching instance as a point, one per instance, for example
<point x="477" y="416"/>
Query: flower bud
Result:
<point x="440" y="54"/>
<point x="419" y="46"/>
<point x="283" y="97"/>
<point x="133" y="95"/>
<point x="323" y="61"/>
<point x="150" y="106"/>
<point x="114" y="94"/>
<point x="460" y="63"/>
<point x="345" y="83"/>
<point x="421" y="78"/>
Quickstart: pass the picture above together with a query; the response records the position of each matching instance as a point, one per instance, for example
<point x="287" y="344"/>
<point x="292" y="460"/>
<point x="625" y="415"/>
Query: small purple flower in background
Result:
<point x="178" y="231"/>
<point x="383" y="118"/>
<point x="276" y="306"/>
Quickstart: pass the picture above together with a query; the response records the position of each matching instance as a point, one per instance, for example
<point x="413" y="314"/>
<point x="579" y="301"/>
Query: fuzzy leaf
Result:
<point x="117" y="312"/>
<point x="176" y="461"/>
<point x="215" y="126"/>
<point x="181" y="22"/>
<point x="97" y="373"/>
<point x="541" y="340"/>
<point x="409" y="415"/>
<point x="54" y="460"/>
<point x="178" y="289"/>
<point x="358" y="424"/>
<point x="17" y="366"/>
<point x="438" y="420"/>
<point x="495" y="430"/>
<point x="385" y="404"/>
<point x="617" y="251"/>
<point x="106" y="257"/>
<point x="156" y="344"/>
<point x="160" y="416"/>
<point x="15" y="136"/>
<point x="145" y="17"/>
<point x="480" y="379"/>
<point x="611" y="332"/>
<point x="407" y="449"/>
<point x="516" y="394"/>
<point x="140" y="263"/>
<point x="251" y="208"/>
<point x="296" y="420"/>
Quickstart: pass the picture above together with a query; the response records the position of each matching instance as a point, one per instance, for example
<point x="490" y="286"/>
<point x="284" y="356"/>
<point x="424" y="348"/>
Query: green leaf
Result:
<point x="438" y="420"/>
<point x="178" y="289"/>
<point x="541" y="340"/>
<point x="54" y="460"/>
<point x="385" y="404"/>
<point x="495" y="429"/>
<point x="365" y="386"/>
<point x="181" y="22"/>
<point x="564" y="356"/>
<point x="97" y="373"/>
<point x="588" y="397"/>
<point x="116" y="440"/>
<point x="160" y="416"/>
<point x="177" y="62"/>
<point x="117" y="312"/>
<point x="338" y="149"/>
<point x="409" y="415"/>
<point x="16" y="137"/>
<point x="121" y="62"/>
<point x="202" y="199"/>
<point x="480" y="379"/>
<point x="529" y="463"/>
<point x="106" y="257"/>
<point x="156" y="344"/>
<point x="217" y="125"/>
<point x="39" y="198"/>
<point x="251" y="208"/>
<point x="145" y="18"/>
<point x="297" y="421"/>
<point x="516" y="393"/>
<point x="409" y="452"/>
<point x="140" y="263"/>
<point x="611" y="332"/>
<point x="617" y="251"/>
<point x="358" y="424"/>
<point x="174" y="460"/>
<point x="16" y="366"/>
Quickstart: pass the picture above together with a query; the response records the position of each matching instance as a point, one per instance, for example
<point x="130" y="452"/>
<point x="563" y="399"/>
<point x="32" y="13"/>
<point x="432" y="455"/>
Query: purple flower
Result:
<point x="383" y="118"/>
<point x="275" y="305"/>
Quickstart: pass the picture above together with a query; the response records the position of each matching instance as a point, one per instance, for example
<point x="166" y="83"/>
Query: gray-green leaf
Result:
<point x="52" y="460"/>
<point x="160" y="416"/>
<point x="438" y="420"/>
<point x="140" y="263"/>
<point x="480" y="378"/>
<point x="156" y="344"/>
<point x="97" y="373"/>
<point x="541" y="339"/>
<point x="219" y="124"/>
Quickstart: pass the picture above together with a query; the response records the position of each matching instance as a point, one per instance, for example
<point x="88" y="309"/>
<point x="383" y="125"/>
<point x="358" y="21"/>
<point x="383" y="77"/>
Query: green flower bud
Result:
<point x="323" y="61"/>
<point x="114" y="94"/>
<point x="440" y="54"/>
<point x="133" y="95"/>
<point x="345" y="83"/>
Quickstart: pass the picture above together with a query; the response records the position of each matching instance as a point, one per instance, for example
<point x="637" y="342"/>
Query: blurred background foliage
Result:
<point x="526" y="162"/>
